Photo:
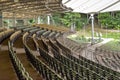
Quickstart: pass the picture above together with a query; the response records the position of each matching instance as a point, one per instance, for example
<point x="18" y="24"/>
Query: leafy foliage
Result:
<point x="67" y="19"/>
<point x="110" y="20"/>
<point x="56" y="18"/>
<point x="31" y="21"/>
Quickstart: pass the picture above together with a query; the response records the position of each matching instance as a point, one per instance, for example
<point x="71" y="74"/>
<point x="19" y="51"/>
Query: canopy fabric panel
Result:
<point x="92" y="6"/>
<point x="115" y="7"/>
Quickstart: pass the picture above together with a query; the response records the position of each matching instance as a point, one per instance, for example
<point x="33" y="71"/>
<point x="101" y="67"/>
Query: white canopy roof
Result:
<point x="92" y="6"/>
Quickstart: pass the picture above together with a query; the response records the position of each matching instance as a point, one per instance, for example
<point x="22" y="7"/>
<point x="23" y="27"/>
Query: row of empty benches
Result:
<point x="108" y="58"/>
<point x="58" y="61"/>
<point x="17" y="32"/>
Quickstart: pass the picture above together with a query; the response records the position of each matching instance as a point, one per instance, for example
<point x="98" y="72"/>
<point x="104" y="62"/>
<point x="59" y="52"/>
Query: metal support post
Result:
<point x="92" y="20"/>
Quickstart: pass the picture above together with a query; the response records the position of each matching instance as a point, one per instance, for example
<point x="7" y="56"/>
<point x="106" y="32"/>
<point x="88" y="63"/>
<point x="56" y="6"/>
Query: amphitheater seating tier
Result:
<point x="48" y="55"/>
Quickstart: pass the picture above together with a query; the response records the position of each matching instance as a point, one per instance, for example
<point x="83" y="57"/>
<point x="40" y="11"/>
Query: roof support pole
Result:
<point x="35" y="19"/>
<point x="92" y="22"/>
<point x="25" y="21"/>
<point x="1" y="20"/>
<point x="14" y="19"/>
<point x="39" y="19"/>
<point x="8" y="23"/>
<point x="48" y="19"/>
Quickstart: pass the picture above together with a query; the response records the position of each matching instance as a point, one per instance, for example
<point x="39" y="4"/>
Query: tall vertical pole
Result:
<point x="84" y="28"/>
<point x="87" y="16"/>
<point x="8" y="23"/>
<point x="48" y="19"/>
<point x="39" y="21"/>
<point x="74" y="26"/>
<point x="36" y="19"/>
<point x="53" y="22"/>
<point x="14" y="19"/>
<point x="106" y="30"/>
<point x="92" y="20"/>
<point x="25" y="21"/>
<point x="1" y="20"/>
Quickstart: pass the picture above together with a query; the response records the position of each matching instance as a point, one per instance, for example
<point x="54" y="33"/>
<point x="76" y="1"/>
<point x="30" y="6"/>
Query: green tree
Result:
<point x="105" y="18"/>
<point x="67" y="19"/>
<point x="112" y="21"/>
<point x="56" y="18"/>
<point x="31" y="21"/>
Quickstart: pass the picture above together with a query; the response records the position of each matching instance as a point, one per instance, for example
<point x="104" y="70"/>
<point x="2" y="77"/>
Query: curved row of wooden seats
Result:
<point x="102" y="72"/>
<point x="81" y="70"/>
<point x="43" y="69"/>
<point x="5" y="34"/>
<point x="79" y="77"/>
<point x="6" y="68"/>
<point x="2" y="29"/>
<point x="62" y="69"/>
<point x="58" y="66"/>
<point x="39" y="33"/>
<point x="42" y="34"/>
<point x="19" y="27"/>
<point x="16" y="35"/>
<point x="45" y="34"/>
<point x="94" y="74"/>
<point x="73" y="45"/>
<point x="9" y="32"/>
<point x="48" y="33"/>
<point x="87" y="65"/>
<point x="52" y="34"/>
<point x="110" y="57"/>
<point x="100" y="68"/>
<point x="18" y="66"/>
<point x="60" y="63"/>
<point x="50" y="27"/>
<point x="31" y="32"/>
<point x="29" y="28"/>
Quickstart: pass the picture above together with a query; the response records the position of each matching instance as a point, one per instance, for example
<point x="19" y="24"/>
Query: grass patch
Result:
<point x="112" y="45"/>
<point x="78" y="38"/>
<point x="84" y="40"/>
<point x="115" y="35"/>
<point x="110" y="33"/>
